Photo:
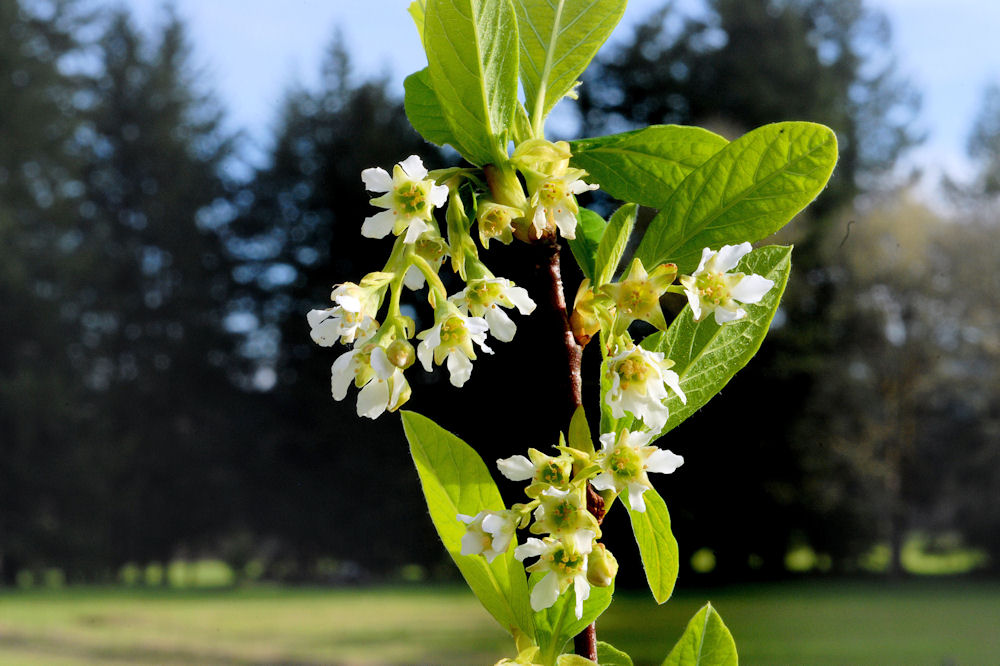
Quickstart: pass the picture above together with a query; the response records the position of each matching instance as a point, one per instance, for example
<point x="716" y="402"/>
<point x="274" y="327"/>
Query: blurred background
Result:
<point x="180" y="184"/>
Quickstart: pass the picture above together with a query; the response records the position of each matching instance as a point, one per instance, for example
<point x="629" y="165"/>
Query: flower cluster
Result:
<point x="381" y="352"/>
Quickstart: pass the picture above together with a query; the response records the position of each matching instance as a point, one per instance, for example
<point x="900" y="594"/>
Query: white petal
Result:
<point x="516" y="468"/>
<point x="671" y="379"/>
<point x="348" y="302"/>
<point x="751" y="289"/>
<point x="729" y="255"/>
<point x="342" y="374"/>
<point x="545" y="593"/>
<point x="476" y="325"/>
<point x="566" y="222"/>
<point x="607" y="441"/>
<point x="381" y="365"/>
<point x="417" y="227"/>
<point x="582" y="590"/>
<point x="706" y="254"/>
<point x="414" y="167"/>
<point x="459" y="367"/>
<point x="314" y="317"/>
<point x="603" y="481"/>
<point x="531" y="548"/>
<point x="639" y="438"/>
<point x="327" y="332"/>
<point x="373" y="398"/>
<point x="654" y="414"/>
<point x="723" y="315"/>
<point x="500" y="324"/>
<point x="539" y="220"/>
<point x="663" y="462"/>
<point x="501" y="542"/>
<point x="472" y="543"/>
<point x="519" y="297"/>
<point x="635" y="491"/>
<point x="377" y="179"/>
<point x="584" y="541"/>
<point x="438" y="195"/>
<point x="425" y="350"/>
<point x="413" y="279"/>
<point x="495" y="523"/>
<point x="465" y="519"/>
<point x="579" y="187"/>
<point x="378" y="225"/>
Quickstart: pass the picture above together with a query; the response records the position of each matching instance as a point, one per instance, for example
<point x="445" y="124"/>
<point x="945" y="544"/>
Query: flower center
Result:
<point x="411" y="199"/>
<point x="453" y="332"/>
<point x="624" y="463"/>
<point x="484" y="293"/>
<point x="552" y="473"/>
<point x="551" y="193"/>
<point x="636" y="299"/>
<point x="713" y="287"/>
<point x="565" y="562"/>
<point x="495" y="221"/>
<point x="633" y="371"/>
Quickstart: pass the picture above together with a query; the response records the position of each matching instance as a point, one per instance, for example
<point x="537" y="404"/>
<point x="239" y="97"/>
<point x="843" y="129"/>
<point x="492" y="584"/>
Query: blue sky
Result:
<point x="252" y="50"/>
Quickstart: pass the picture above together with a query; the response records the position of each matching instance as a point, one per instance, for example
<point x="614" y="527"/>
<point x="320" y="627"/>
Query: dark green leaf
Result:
<point x="589" y="229"/>
<point x="613" y="243"/>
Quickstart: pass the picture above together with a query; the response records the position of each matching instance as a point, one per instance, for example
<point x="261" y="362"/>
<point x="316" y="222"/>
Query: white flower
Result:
<point x="561" y="512"/>
<point x="564" y="561"/>
<point x="484" y="298"/>
<point x="639" y="381"/>
<point x="383" y="385"/>
<point x="488" y="533"/>
<point x="409" y="200"/>
<point x="554" y="202"/>
<point x="544" y="471"/>
<point x="452" y="339"/>
<point x="352" y="318"/>
<point x="625" y="461"/>
<point x="712" y="289"/>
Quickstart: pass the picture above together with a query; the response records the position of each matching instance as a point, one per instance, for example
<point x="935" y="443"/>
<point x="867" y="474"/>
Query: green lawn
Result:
<point x="919" y="622"/>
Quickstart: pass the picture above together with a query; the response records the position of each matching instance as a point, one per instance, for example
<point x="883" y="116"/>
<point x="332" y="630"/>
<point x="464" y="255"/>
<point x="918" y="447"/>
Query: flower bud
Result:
<point x="602" y="567"/>
<point x="584" y="320"/>
<point x="401" y="353"/>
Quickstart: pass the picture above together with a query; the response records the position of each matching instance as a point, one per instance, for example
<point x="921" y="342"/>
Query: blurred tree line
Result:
<point x="160" y="396"/>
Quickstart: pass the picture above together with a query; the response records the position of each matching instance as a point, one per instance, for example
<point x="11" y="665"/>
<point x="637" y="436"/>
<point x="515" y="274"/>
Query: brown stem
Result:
<point x="584" y="643"/>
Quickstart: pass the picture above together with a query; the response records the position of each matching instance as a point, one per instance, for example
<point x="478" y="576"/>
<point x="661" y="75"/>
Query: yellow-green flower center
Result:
<point x="411" y="199"/>
<point x="633" y="371"/>
<point x="565" y="562"/>
<point x="624" y="463"/>
<point x="713" y="287"/>
<point x="636" y="299"/>
<point x="484" y="293"/>
<point x="453" y="332"/>
<point x="553" y="474"/>
<point x="494" y="221"/>
<point x="552" y="192"/>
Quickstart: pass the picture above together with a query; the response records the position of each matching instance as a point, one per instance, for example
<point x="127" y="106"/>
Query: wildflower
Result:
<point x="484" y="298"/>
<point x="564" y="562"/>
<point x="352" y="317"/>
<point x="712" y="289"/>
<point x="451" y="339"/>
<point x="495" y="222"/>
<point x="488" y="533"/>
<point x="544" y="471"/>
<point x="382" y="383"/>
<point x="554" y="202"/>
<point x="637" y="295"/>
<point x="626" y="459"/>
<point x="638" y="384"/>
<point x="563" y="512"/>
<point x="432" y="248"/>
<point x="410" y="199"/>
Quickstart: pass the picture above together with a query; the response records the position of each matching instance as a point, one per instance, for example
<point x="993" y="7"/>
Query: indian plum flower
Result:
<point x="350" y="319"/>
<point x="486" y="296"/>
<point x="382" y="383"/>
<point x="639" y="381"/>
<point x="488" y="533"/>
<point x="554" y="202"/>
<point x="564" y="562"/>
<point x="626" y="459"/>
<point x="409" y="200"/>
<point x="544" y="471"/>
<point x="451" y="338"/>
<point x="711" y="288"/>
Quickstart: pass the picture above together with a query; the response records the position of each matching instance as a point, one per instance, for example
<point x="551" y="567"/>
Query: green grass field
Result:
<point x="918" y="622"/>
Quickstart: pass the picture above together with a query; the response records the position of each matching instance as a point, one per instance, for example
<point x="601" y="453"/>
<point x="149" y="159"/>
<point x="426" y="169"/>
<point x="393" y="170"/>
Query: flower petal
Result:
<point x="417" y="227"/>
<point x="545" y="593"/>
<point x="459" y="368"/>
<point x="603" y="481"/>
<point x="519" y="297"/>
<point x="500" y="324"/>
<point x="582" y="590"/>
<point x="531" y="548"/>
<point x="342" y="374"/>
<point x="381" y="365"/>
<point x="378" y="225"/>
<point x="314" y="317"/>
<point x="516" y="468"/>
<point x="635" y="491"/>
<point x="663" y="461"/>
<point x="414" y="167"/>
<point x="671" y="379"/>
<point x="438" y="195"/>
<point x="327" y="332"/>
<point x="724" y="315"/>
<point x="751" y="289"/>
<point x="376" y="179"/>
<point x="373" y="398"/>
<point x="413" y="279"/>
<point x="729" y="255"/>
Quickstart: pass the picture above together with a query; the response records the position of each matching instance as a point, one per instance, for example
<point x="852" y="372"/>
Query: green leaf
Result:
<point x="558" y="40"/>
<point x="705" y="642"/>
<point x="613" y="243"/>
<point x="416" y="10"/>
<point x="609" y="655"/>
<point x="707" y="355"/>
<point x="579" y="432"/>
<point x="748" y="190"/>
<point x="424" y="110"/>
<point x="557" y="624"/>
<point x="589" y="230"/>
<point x="472" y="59"/>
<point x="656" y="542"/>
<point x="644" y="166"/>
<point x="455" y="480"/>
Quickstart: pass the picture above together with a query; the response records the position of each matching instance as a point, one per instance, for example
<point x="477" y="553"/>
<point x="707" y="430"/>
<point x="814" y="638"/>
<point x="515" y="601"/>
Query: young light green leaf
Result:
<point x="455" y="480"/>
<point x="557" y="624"/>
<point x="472" y="59"/>
<point x="579" y="432"/>
<point x="609" y="655"/>
<point x="589" y="230"/>
<point x="424" y="110"/>
<point x="705" y="642"/>
<point x="573" y="660"/>
<point x="558" y="40"/>
<point x="416" y="10"/>
<point x="644" y="166"/>
<point x="656" y="542"/>
<point x="707" y="355"/>
<point x="745" y="192"/>
<point x="613" y="243"/>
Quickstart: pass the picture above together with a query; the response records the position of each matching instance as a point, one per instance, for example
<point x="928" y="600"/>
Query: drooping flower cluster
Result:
<point x="381" y="352"/>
